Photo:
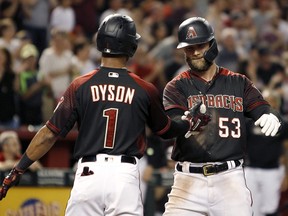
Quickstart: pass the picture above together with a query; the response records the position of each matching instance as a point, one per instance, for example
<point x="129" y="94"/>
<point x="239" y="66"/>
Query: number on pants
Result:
<point x="111" y="124"/>
<point x="224" y="129"/>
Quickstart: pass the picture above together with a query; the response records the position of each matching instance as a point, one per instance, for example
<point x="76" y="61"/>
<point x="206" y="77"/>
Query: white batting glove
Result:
<point x="269" y="123"/>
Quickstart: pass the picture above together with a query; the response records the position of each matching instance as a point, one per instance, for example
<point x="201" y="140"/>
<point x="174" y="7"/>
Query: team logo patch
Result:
<point x="113" y="75"/>
<point x="191" y="33"/>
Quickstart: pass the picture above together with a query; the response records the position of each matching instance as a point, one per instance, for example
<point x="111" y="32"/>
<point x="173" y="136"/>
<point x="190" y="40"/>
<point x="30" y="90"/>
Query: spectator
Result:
<point x="273" y="36"/>
<point x="63" y="16"/>
<point x="269" y="72"/>
<point x="37" y="21"/>
<point x="230" y="53"/>
<point x="8" y="118"/>
<point x="55" y="66"/>
<point x="30" y="88"/>
<point x="13" y="10"/>
<point x="159" y="32"/>
<point x="10" y="151"/>
<point x="90" y="22"/>
<point x="114" y="6"/>
<point x="265" y="172"/>
<point x="148" y="68"/>
<point x="245" y="30"/>
<point x="262" y="13"/>
<point x="8" y="37"/>
<point x="81" y="61"/>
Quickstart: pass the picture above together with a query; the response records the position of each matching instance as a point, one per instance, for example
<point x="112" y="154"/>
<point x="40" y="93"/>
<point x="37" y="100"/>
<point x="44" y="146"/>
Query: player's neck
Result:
<point x="210" y="73"/>
<point x="114" y="62"/>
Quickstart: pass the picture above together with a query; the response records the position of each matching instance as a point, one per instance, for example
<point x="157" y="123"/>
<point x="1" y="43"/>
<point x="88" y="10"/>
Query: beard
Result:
<point x="198" y="65"/>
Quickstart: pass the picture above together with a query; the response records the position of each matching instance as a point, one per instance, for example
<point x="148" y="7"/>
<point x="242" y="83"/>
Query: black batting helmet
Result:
<point x="117" y="35"/>
<point x="197" y="30"/>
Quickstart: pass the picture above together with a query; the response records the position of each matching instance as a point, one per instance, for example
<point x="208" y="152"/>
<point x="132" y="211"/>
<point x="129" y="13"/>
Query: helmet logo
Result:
<point x="191" y="33"/>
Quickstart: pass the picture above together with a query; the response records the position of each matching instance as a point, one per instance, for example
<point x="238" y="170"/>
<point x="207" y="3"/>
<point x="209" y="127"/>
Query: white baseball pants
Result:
<point x="113" y="189"/>
<point x="222" y="194"/>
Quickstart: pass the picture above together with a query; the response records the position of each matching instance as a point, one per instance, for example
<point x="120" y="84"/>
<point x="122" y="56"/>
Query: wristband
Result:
<point x="24" y="162"/>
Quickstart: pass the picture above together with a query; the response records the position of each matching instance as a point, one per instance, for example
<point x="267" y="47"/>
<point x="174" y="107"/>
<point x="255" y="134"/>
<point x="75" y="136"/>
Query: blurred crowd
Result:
<point x="45" y="44"/>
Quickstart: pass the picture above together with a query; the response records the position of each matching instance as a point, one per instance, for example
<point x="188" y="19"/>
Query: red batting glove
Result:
<point x="197" y="118"/>
<point x="10" y="180"/>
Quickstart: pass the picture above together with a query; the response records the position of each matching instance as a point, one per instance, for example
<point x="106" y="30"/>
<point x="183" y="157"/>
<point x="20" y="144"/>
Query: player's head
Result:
<point x="195" y="31"/>
<point x="117" y="36"/>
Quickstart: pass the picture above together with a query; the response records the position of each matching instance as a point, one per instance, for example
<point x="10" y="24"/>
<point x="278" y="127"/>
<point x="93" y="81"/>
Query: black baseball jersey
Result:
<point x="111" y="107"/>
<point x="229" y="97"/>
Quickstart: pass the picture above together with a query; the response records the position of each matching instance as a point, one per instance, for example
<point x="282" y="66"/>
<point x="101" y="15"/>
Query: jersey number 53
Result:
<point x="226" y="131"/>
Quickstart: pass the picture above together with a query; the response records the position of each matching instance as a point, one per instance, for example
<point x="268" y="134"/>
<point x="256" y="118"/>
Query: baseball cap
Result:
<point x="28" y="50"/>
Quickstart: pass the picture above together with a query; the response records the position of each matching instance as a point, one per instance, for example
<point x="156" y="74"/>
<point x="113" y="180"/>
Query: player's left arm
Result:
<point x="259" y="109"/>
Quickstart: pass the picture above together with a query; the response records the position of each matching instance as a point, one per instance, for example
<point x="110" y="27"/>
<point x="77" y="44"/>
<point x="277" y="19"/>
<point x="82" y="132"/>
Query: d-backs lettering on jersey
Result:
<point x="218" y="101"/>
<point x="229" y="98"/>
<point x="111" y="113"/>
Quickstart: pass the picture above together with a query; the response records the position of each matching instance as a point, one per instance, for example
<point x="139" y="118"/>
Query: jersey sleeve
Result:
<point x="254" y="102"/>
<point x="173" y="97"/>
<point x="65" y="114"/>
<point x="158" y="121"/>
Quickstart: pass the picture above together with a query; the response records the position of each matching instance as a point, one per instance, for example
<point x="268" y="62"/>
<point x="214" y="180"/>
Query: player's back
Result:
<point x="113" y="107"/>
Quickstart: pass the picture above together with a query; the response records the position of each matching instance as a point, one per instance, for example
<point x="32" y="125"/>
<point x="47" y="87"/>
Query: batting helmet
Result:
<point x="117" y="35"/>
<point x="197" y="30"/>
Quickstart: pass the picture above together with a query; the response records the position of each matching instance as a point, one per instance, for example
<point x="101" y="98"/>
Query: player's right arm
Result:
<point x="44" y="139"/>
<point x="159" y="122"/>
<point x="40" y="145"/>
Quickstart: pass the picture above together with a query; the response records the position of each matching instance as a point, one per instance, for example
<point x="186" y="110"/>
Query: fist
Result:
<point x="10" y="180"/>
<point x="197" y="118"/>
<point x="269" y="123"/>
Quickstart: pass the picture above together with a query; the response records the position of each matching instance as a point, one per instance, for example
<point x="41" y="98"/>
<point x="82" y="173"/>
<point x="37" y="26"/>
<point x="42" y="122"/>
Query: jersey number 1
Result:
<point x="111" y="124"/>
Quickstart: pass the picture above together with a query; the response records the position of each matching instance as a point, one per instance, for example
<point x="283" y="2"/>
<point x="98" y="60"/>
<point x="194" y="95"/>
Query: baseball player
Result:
<point x="209" y="178"/>
<point x="111" y="107"/>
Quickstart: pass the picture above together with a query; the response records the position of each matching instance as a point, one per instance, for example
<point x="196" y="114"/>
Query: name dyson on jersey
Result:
<point x="112" y="93"/>
<point x="218" y="101"/>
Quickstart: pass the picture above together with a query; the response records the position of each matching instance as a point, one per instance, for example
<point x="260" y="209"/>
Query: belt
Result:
<point x="124" y="159"/>
<point x="209" y="169"/>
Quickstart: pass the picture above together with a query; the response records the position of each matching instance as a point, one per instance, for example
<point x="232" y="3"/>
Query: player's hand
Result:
<point x="197" y="118"/>
<point x="269" y="123"/>
<point x="10" y="180"/>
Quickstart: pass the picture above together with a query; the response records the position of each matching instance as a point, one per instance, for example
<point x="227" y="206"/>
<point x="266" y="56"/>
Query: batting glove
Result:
<point x="10" y="180"/>
<point x="269" y="123"/>
<point x="197" y="118"/>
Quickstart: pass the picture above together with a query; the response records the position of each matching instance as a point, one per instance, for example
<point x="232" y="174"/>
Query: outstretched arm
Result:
<point x="40" y="145"/>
